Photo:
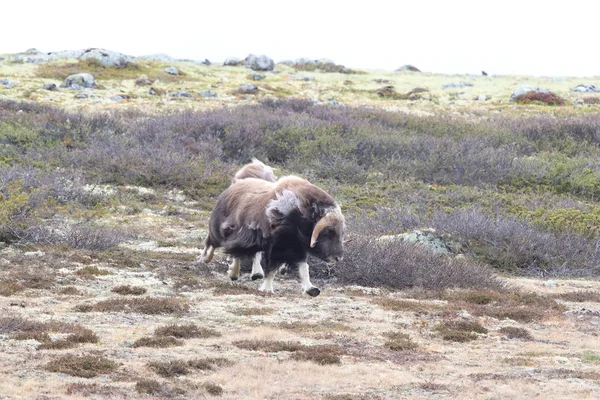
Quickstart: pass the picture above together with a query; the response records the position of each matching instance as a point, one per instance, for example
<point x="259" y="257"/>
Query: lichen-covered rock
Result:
<point x="408" y="68"/>
<point x="586" y="88"/>
<point x="171" y="71"/>
<point x="256" y="76"/>
<point x="247" y="88"/>
<point x="79" y="81"/>
<point x="107" y="58"/>
<point x="51" y="86"/>
<point x="207" y="93"/>
<point x="259" y="63"/>
<point x="232" y="62"/>
<point x="456" y="85"/>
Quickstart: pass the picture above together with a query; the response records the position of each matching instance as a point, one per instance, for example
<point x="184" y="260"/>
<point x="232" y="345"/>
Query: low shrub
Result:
<point x="533" y="97"/>
<point x="82" y="366"/>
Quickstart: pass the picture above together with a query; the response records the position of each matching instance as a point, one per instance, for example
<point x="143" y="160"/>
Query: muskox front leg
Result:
<point x="234" y="269"/>
<point x="257" y="271"/>
<point x="207" y="254"/>
<point x="267" y="285"/>
<point x="307" y="286"/>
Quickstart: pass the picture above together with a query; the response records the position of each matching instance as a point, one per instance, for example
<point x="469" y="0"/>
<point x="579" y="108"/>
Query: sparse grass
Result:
<point x="399" y="341"/>
<point x="591" y="357"/>
<point x="459" y="331"/>
<point x="70" y="291"/>
<point x="320" y="354"/>
<point x="327" y="325"/>
<point x="213" y="389"/>
<point x="406" y="305"/>
<point x="148" y="386"/>
<point x="231" y="289"/>
<point x="91" y="271"/>
<point x="268" y="346"/>
<point x="83" y="366"/>
<point x="519" y="361"/>
<point x="125" y="290"/>
<point x="580" y="296"/>
<point x="513" y="332"/>
<point x="145" y="305"/>
<point x="251" y="311"/>
<point x="186" y="331"/>
<point x="158" y="341"/>
<point x="518" y="306"/>
<point x="174" y="368"/>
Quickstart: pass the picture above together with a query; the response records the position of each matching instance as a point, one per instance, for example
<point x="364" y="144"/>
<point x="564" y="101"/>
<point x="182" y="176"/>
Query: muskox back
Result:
<point x="256" y="169"/>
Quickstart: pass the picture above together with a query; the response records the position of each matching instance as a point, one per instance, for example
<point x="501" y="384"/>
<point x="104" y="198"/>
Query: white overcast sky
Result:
<point x="526" y="37"/>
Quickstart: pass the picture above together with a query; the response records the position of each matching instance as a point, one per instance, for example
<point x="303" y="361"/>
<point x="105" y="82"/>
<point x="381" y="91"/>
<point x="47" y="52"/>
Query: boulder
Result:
<point x="51" y="86"/>
<point x="181" y="94"/>
<point x="456" y="85"/>
<point x="156" y="57"/>
<point x="523" y="89"/>
<point x="408" y="68"/>
<point x="33" y="51"/>
<point x="207" y="93"/>
<point x="171" y="71"/>
<point x="7" y="83"/>
<point x="386" y="91"/>
<point x="206" y="62"/>
<point x="306" y="61"/>
<point x="259" y="63"/>
<point x="143" y="81"/>
<point x="586" y="88"/>
<point x="79" y="81"/>
<point x="232" y="62"/>
<point x="247" y="88"/>
<point x="107" y="58"/>
<point x="256" y="77"/>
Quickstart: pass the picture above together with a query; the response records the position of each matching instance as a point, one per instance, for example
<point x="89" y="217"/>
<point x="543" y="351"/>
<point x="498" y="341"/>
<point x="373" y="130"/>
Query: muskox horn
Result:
<point x="322" y="224"/>
<point x="329" y="219"/>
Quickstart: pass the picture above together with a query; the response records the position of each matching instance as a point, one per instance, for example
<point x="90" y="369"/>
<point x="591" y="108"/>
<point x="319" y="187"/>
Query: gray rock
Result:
<point x="79" y="81"/>
<point x="456" y="85"/>
<point x="481" y="97"/>
<point x="81" y="96"/>
<point x="232" y="62"/>
<point x="586" y="88"/>
<point x="427" y="239"/>
<point x="207" y="93"/>
<point x="181" y="94"/>
<point x="106" y="57"/>
<point x="51" y="86"/>
<point x="156" y="57"/>
<point x="408" y="68"/>
<point x="523" y="89"/>
<point x="7" y="83"/>
<point x="307" y="78"/>
<point x="171" y="71"/>
<point x="259" y="63"/>
<point x="306" y="61"/>
<point x="18" y="59"/>
<point x="247" y="88"/>
<point x="206" y="62"/>
<point x="33" y="51"/>
<point x="153" y="92"/>
<point x="143" y="81"/>
<point x="34" y="254"/>
<point x="65" y="54"/>
<point x="334" y="102"/>
<point x="257" y="77"/>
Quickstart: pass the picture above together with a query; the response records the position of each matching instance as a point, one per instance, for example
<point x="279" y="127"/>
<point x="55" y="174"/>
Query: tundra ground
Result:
<point x="169" y="328"/>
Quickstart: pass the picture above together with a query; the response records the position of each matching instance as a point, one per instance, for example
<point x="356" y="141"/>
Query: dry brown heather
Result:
<point x="142" y="320"/>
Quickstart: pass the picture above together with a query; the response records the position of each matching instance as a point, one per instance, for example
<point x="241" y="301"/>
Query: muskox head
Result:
<point x="327" y="238"/>
<point x="325" y="226"/>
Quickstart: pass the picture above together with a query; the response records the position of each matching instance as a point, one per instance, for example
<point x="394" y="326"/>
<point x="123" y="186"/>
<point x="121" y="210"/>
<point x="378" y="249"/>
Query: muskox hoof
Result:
<point x="256" y="277"/>
<point x="313" y="291"/>
<point x="233" y="278"/>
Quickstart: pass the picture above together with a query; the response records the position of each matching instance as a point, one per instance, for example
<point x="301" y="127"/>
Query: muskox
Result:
<point x="286" y="220"/>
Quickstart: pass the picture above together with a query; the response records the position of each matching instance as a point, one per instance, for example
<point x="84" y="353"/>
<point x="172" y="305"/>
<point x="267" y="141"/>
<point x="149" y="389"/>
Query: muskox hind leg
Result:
<point x="234" y="269"/>
<point x="257" y="271"/>
<point x="307" y="286"/>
